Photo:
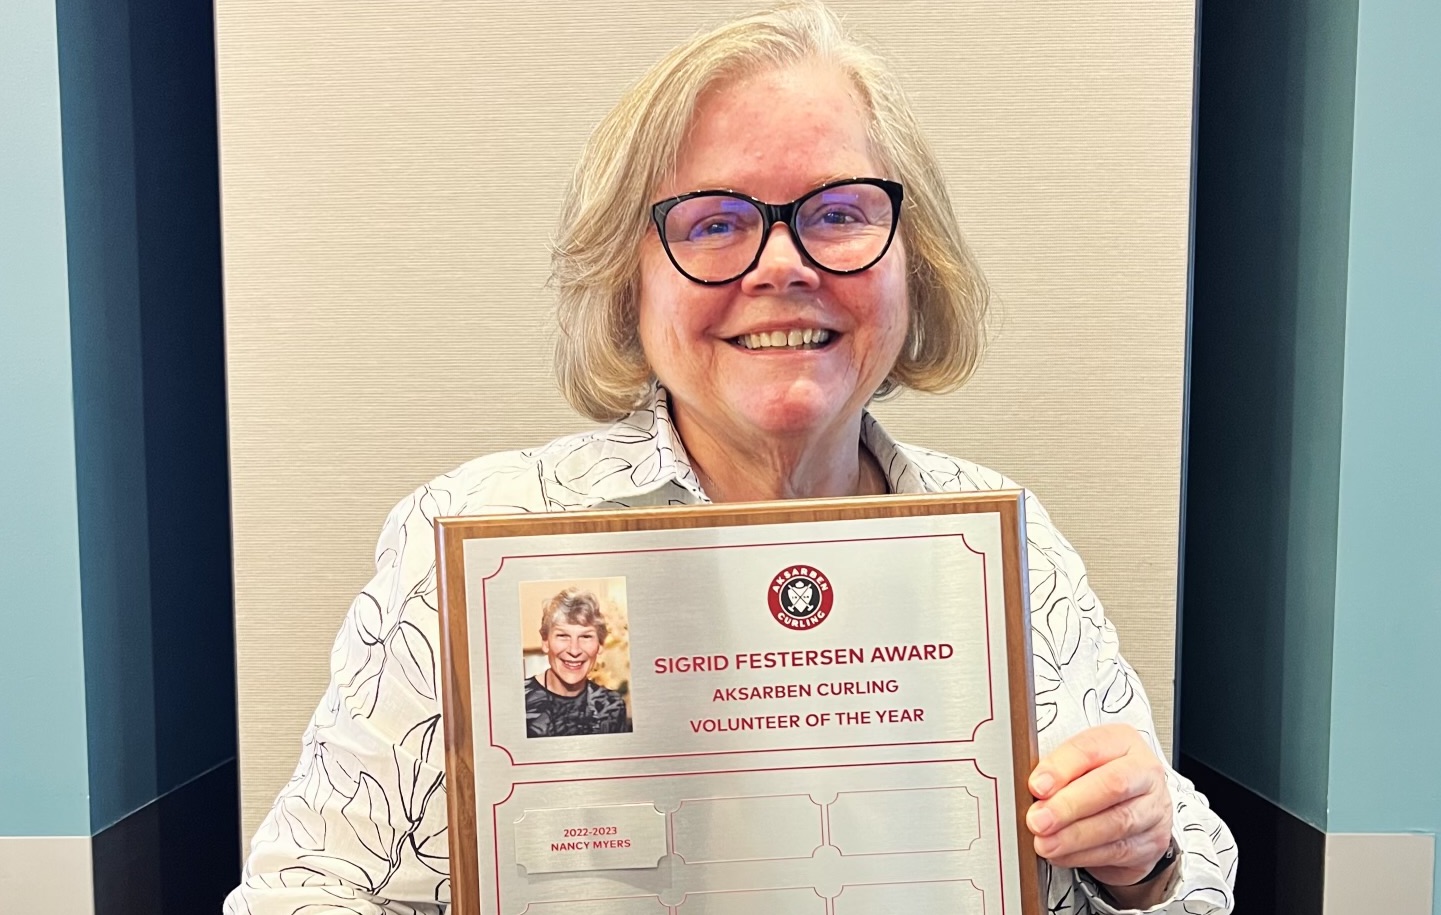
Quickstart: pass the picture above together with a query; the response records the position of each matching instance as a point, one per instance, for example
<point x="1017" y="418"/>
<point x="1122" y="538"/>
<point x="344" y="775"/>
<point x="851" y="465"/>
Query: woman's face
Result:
<point x="773" y="136"/>
<point x="571" y="650"/>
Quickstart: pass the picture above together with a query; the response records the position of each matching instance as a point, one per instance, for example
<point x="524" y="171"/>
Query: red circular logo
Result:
<point x="800" y="598"/>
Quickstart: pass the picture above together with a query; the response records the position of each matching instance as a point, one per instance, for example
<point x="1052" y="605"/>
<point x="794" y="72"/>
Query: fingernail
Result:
<point x="1042" y="783"/>
<point x="1040" y="819"/>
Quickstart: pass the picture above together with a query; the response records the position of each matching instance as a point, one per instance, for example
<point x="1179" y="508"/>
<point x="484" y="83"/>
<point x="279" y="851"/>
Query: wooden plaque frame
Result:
<point x="452" y="533"/>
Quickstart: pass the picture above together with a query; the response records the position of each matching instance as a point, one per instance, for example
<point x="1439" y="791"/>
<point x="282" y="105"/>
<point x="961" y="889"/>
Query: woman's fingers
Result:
<point x="1119" y="863"/>
<point x="1103" y="804"/>
<point x="1095" y="837"/>
<point x="1114" y="783"/>
<point x="1090" y="749"/>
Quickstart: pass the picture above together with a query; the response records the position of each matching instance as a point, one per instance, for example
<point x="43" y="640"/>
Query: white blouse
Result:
<point x="360" y="829"/>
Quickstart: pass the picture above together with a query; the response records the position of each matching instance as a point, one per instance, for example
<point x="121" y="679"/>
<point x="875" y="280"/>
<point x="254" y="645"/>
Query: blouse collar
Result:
<point x="649" y="455"/>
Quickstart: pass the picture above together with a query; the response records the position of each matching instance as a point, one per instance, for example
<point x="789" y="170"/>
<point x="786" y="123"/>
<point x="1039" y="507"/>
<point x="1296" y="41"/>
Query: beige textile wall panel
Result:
<point x="391" y="174"/>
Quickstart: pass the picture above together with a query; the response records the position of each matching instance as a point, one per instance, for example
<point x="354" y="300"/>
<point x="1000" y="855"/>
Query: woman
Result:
<point x="562" y="701"/>
<point x="756" y="243"/>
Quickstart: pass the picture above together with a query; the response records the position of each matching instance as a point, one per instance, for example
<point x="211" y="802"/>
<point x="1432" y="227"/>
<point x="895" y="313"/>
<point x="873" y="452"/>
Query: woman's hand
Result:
<point x="1103" y="805"/>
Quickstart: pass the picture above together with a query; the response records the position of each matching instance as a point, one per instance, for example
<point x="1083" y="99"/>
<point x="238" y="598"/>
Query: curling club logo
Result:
<point x="800" y="598"/>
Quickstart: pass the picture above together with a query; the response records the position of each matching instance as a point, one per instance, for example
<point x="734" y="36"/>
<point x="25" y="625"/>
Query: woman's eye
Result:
<point x="835" y="217"/>
<point x="712" y="228"/>
<point x="840" y="217"/>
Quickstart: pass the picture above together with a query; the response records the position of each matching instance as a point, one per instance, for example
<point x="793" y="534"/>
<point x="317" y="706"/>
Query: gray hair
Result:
<point x="573" y="607"/>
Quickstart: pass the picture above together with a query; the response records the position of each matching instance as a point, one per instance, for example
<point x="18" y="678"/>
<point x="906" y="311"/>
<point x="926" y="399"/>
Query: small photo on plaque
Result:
<point x="575" y="651"/>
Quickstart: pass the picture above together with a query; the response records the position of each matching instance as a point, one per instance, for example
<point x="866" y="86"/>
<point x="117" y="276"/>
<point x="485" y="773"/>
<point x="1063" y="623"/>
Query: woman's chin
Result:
<point x="798" y="410"/>
<point x="766" y="409"/>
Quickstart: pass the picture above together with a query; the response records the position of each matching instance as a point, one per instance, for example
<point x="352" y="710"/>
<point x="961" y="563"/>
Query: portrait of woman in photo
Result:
<point x="563" y="701"/>
<point x="756" y="244"/>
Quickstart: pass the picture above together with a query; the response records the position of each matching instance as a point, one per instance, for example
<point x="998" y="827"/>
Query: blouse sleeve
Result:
<point x="1082" y="681"/>
<point x="360" y="829"/>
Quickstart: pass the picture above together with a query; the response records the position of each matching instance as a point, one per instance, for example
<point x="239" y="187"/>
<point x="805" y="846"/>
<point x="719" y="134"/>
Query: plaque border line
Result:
<point x="450" y="537"/>
<point x="990" y="660"/>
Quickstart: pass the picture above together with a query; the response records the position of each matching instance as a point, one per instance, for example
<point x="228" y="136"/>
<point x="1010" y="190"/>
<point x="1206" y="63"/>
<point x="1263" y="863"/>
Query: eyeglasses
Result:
<point x="716" y="237"/>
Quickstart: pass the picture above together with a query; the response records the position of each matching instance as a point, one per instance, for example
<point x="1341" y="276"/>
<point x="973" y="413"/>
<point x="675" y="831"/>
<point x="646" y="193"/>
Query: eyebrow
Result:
<point x="810" y="186"/>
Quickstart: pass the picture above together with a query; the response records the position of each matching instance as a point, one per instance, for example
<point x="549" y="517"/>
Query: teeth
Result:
<point x="789" y="339"/>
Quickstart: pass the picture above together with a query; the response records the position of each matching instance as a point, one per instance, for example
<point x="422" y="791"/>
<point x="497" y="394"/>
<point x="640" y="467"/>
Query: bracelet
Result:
<point x="1162" y="865"/>
<point x="1160" y="868"/>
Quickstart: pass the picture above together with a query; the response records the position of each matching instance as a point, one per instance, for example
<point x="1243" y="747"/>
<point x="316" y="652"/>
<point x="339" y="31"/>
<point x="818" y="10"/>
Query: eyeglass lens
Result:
<point x="716" y="237"/>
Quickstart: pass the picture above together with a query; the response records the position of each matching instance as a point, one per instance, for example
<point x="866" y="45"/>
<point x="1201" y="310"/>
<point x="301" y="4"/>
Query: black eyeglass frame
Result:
<point x="784" y="213"/>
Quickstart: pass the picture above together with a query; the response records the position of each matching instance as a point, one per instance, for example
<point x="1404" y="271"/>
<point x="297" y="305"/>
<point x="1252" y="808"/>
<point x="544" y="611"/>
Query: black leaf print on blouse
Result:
<point x="425" y="592"/>
<point x="1047" y="675"/>
<point x="368" y="616"/>
<point x="1118" y="694"/>
<point x="418" y="774"/>
<point x="433" y="851"/>
<point x="305" y="824"/>
<point x="303" y="876"/>
<point x="414" y="655"/>
<point x="1046" y="714"/>
<point x="368" y="813"/>
<point x="580" y="476"/>
<point x="434" y="503"/>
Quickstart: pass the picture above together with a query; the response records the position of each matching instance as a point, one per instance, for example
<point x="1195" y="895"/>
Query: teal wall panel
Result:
<point x="1312" y="616"/>
<point x="1274" y="128"/>
<point x="1386" y="720"/>
<point x="43" y="781"/>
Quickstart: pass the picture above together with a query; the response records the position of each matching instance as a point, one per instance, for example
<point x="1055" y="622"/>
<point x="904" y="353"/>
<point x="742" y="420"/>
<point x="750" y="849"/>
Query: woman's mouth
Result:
<point x="577" y="665"/>
<point x="800" y="338"/>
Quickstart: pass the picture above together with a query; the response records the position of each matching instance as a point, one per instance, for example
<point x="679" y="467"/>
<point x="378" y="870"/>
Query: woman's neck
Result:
<point x="826" y="466"/>
<point x="561" y="688"/>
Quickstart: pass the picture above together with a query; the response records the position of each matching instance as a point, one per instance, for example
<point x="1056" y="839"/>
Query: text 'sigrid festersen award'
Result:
<point x="818" y="708"/>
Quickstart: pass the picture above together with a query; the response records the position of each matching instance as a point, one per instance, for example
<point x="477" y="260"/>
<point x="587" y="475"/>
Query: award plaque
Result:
<point x="793" y="708"/>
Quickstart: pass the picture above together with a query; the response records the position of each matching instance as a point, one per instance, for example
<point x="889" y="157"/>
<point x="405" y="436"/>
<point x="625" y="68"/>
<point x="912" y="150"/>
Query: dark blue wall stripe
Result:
<point x="106" y="353"/>
<point x="1275" y="116"/>
<point x="183" y="333"/>
<point x="141" y="181"/>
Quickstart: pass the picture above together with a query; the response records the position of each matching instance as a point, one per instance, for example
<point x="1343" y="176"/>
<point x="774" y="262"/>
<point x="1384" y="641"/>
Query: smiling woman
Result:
<point x="562" y="701"/>
<point x="756" y="244"/>
<point x="767" y="108"/>
<point x="777" y="135"/>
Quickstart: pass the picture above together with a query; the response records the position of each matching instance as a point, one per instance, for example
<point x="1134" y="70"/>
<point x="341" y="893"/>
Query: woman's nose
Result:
<point x="781" y="267"/>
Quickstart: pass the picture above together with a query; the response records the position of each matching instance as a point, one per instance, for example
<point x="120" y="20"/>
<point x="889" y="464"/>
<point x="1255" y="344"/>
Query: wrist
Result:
<point x="1149" y="890"/>
<point x="1163" y="866"/>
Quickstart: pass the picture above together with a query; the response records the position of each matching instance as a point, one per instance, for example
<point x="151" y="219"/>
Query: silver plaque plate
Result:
<point x="809" y="718"/>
